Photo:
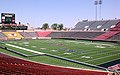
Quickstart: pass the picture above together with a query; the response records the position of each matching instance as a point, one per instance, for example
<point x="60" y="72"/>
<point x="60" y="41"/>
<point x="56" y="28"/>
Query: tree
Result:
<point x="60" y="26"/>
<point x="54" y="26"/>
<point x="45" y="26"/>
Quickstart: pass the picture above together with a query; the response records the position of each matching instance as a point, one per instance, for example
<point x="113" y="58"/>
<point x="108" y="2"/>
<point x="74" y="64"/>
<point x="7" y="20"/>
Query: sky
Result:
<point x="66" y="12"/>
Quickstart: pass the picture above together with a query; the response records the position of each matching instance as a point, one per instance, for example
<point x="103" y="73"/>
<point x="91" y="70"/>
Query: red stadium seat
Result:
<point x="12" y="66"/>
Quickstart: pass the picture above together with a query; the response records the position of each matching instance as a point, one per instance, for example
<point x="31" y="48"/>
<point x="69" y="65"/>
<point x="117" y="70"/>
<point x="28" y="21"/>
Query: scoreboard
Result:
<point x="7" y="18"/>
<point x="8" y="22"/>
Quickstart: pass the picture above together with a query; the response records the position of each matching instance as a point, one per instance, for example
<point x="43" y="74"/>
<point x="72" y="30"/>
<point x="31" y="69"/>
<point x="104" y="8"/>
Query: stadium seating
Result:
<point x="106" y="35"/>
<point x="116" y="28"/>
<point x="102" y="25"/>
<point x="109" y="24"/>
<point x="88" y="35"/>
<point x="14" y="66"/>
<point x="115" y="37"/>
<point x="95" y="30"/>
<point x="29" y="35"/>
<point x="97" y="25"/>
<point x="32" y="34"/>
<point x="2" y="36"/>
<point x="13" y="35"/>
<point x="112" y="34"/>
<point x="43" y="33"/>
<point x="75" y="34"/>
<point x="60" y="34"/>
<point x="82" y="25"/>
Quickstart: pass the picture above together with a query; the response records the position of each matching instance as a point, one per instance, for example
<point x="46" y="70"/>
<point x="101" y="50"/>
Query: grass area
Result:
<point x="95" y="53"/>
<point x="21" y="51"/>
<point x="48" y="60"/>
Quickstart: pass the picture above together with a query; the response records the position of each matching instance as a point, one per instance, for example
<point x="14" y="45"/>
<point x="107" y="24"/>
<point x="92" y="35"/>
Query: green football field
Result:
<point x="94" y="53"/>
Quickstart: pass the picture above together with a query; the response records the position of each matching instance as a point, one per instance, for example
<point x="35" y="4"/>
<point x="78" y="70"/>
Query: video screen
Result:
<point x="8" y="18"/>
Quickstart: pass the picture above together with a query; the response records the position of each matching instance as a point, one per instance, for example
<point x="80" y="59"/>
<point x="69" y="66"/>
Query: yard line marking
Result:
<point x="105" y="52"/>
<point x="102" y="53"/>
<point x="88" y="52"/>
<point x="91" y="43"/>
<point x="102" y="57"/>
<point x="25" y="49"/>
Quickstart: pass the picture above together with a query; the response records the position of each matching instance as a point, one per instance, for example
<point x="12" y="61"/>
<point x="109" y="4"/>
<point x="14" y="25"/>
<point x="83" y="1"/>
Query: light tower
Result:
<point x="100" y="3"/>
<point x="96" y="3"/>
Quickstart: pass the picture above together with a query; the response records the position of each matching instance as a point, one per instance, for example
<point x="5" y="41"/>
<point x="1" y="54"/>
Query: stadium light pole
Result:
<point x="96" y="3"/>
<point x="100" y="3"/>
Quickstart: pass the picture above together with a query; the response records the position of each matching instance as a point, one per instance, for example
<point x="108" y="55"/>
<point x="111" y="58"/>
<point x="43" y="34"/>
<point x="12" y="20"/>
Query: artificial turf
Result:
<point x="95" y="53"/>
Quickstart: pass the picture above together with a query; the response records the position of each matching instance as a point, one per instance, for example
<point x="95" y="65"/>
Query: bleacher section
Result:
<point x="29" y="35"/>
<point x="14" y="66"/>
<point x="115" y="37"/>
<point x="75" y="34"/>
<point x="60" y="34"/>
<point x="88" y="35"/>
<point x="91" y="30"/>
<point x="83" y="25"/>
<point x="109" y="24"/>
<point x="116" y="28"/>
<point x="13" y="35"/>
<point x="43" y="33"/>
<point x="102" y="25"/>
<point x="111" y="35"/>
<point x="106" y="35"/>
<point x="2" y="36"/>
<point x="97" y="25"/>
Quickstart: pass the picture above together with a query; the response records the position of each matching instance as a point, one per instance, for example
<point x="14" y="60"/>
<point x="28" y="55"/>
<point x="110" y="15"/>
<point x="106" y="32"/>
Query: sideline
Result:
<point x="25" y="49"/>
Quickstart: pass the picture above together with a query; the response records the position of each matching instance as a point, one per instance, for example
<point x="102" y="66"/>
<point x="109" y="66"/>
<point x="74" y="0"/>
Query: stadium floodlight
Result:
<point x="96" y="3"/>
<point x="100" y="3"/>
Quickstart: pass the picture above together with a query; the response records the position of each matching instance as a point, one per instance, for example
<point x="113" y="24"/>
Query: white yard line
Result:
<point x="25" y="49"/>
<point x="97" y="44"/>
<point x="100" y="53"/>
<point x="88" y="52"/>
<point x="91" y="43"/>
<point x="101" y="57"/>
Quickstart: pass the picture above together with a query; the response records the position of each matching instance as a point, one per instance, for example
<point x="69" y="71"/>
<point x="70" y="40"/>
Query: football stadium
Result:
<point x="90" y="48"/>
